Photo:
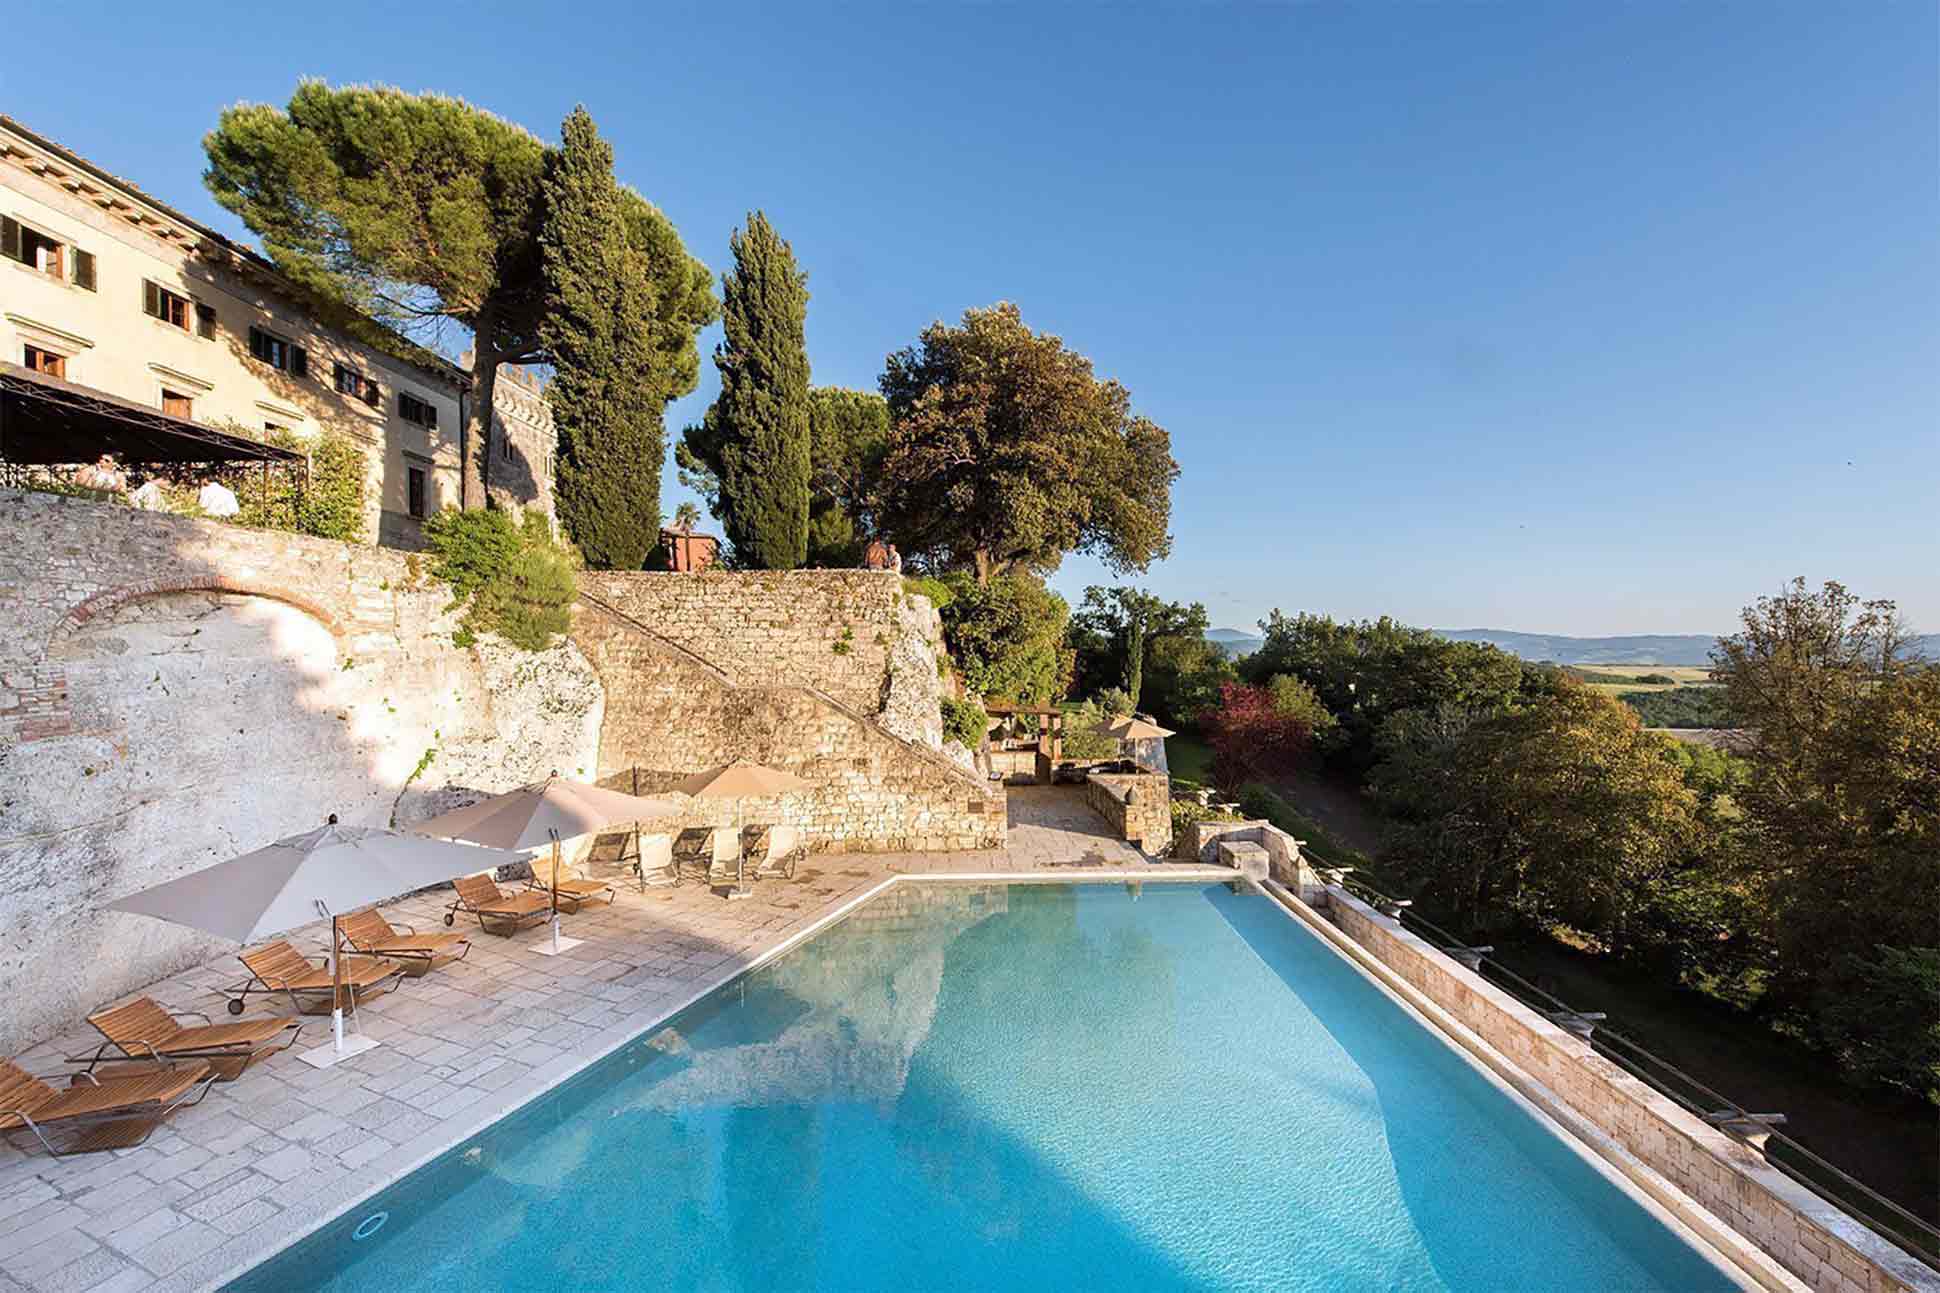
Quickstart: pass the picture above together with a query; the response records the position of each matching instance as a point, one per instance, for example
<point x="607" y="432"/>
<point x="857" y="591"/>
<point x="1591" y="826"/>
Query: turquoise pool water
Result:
<point x="1018" y="1087"/>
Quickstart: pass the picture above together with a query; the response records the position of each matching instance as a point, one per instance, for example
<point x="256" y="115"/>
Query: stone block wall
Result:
<point x="1817" y="1242"/>
<point x="1146" y="820"/>
<point x="670" y="713"/>
<point x="843" y="632"/>
<point x="1287" y="864"/>
<point x="174" y="692"/>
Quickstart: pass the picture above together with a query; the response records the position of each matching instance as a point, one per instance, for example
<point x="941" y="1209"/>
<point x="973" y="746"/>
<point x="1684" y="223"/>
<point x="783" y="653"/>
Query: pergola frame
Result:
<point x="46" y="421"/>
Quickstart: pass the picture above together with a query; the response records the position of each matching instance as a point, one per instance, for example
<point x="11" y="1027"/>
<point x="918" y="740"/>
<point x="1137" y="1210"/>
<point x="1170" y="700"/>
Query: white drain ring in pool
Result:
<point x="370" y="1225"/>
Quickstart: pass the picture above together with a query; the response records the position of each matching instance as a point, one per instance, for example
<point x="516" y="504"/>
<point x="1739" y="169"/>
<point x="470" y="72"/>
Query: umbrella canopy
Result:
<point x="278" y="887"/>
<point x="742" y="780"/>
<point x="533" y="816"/>
<point x="1128" y="727"/>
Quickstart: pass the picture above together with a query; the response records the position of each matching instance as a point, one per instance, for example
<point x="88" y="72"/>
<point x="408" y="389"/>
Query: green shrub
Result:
<point x="470" y="549"/>
<point x="1083" y="744"/>
<point x="923" y="586"/>
<point x="1186" y="812"/>
<point x="329" y="505"/>
<point x="516" y="580"/>
<point x="1881" y="1017"/>
<point x="965" y="721"/>
<point x="1007" y="638"/>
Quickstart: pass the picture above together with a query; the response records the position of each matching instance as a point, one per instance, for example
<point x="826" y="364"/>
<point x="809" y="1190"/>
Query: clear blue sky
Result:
<point x="1577" y="318"/>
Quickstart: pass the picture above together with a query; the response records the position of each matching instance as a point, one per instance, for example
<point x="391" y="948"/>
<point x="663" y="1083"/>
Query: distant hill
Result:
<point x="1235" y="643"/>
<point x="1692" y="650"/>
<point x="1688" y="649"/>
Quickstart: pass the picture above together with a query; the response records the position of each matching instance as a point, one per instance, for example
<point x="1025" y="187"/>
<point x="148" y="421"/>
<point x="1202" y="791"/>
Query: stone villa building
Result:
<point x="106" y="288"/>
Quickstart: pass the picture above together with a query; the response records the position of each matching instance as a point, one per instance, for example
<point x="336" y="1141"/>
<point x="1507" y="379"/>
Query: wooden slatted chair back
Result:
<point x="276" y="962"/>
<point x="20" y="1089"/>
<point x="141" y="1020"/>
<point x="366" y="928"/>
<point x="478" y="891"/>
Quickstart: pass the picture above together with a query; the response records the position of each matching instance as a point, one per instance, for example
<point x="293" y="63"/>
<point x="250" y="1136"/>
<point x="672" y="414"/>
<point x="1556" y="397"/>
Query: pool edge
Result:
<point x="1698" y="1226"/>
<point x="239" y="1255"/>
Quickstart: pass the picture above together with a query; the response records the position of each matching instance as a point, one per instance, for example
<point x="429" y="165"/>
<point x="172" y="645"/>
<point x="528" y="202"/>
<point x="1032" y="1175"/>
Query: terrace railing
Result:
<point x="1907" y="1229"/>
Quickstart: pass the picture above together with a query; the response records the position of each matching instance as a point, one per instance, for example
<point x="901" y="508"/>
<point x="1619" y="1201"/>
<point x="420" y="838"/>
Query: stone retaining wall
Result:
<point x="1819" y="1243"/>
<point x="1147" y="819"/>
<point x="174" y="692"/>
<point x="853" y="634"/>
<point x="670" y="712"/>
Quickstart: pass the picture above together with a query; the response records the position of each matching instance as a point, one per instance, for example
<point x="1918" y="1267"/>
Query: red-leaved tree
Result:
<point x="1252" y="738"/>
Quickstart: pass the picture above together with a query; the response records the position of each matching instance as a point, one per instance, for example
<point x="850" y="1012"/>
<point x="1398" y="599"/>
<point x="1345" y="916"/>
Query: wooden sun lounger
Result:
<point x="481" y="896"/>
<point x="279" y="967"/>
<point x="419" y="954"/>
<point x="143" y="1030"/>
<point x="110" y="1112"/>
<point x="571" y="886"/>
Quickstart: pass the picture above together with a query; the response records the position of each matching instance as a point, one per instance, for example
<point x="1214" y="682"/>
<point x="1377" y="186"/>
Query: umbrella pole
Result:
<point x="340" y="1047"/>
<point x="557" y="943"/>
<point x="336" y="986"/>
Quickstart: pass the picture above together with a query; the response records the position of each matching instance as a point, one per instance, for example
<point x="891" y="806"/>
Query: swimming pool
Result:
<point x="1019" y="1086"/>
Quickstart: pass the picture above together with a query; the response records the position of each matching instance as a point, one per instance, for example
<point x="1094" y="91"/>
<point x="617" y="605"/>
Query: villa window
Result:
<point x="46" y="361"/>
<point x="36" y="250"/>
<point x="415" y="500"/>
<point x="157" y="302"/>
<point x="505" y="447"/>
<point x="279" y="353"/>
<point x="416" y="411"/>
<point x="353" y="383"/>
<point x="205" y="321"/>
<point x="176" y="404"/>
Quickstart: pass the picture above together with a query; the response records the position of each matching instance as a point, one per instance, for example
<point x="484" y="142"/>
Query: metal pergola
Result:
<point x="45" y="421"/>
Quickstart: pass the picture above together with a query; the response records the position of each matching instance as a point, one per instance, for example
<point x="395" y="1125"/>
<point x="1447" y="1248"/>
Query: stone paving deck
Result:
<point x="268" y="1157"/>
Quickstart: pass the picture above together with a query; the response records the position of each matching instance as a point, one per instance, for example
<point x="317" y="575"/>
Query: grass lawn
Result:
<point x="1188" y="758"/>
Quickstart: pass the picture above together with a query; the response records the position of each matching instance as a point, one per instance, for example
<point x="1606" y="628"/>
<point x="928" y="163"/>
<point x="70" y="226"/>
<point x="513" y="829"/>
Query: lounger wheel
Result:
<point x="235" y="1005"/>
<point x="450" y="917"/>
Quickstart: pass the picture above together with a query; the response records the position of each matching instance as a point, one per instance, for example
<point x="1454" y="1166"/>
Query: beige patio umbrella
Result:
<point x="546" y="812"/>
<point x="1130" y="727"/>
<point x="741" y="780"/>
<point x="325" y="872"/>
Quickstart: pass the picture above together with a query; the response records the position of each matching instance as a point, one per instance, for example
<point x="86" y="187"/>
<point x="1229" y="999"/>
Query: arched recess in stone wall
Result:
<point x="205" y="722"/>
<point x="106" y="603"/>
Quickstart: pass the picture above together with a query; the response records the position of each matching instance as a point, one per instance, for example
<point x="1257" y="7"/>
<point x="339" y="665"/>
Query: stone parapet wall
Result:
<point x="1287" y="864"/>
<point x="1137" y="806"/>
<point x="852" y="634"/>
<point x="174" y="692"/>
<point x="1818" y="1243"/>
<point x="670" y="712"/>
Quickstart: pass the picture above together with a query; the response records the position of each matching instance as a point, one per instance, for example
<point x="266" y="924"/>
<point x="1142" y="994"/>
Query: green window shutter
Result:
<point x="84" y="269"/>
<point x="151" y="299"/>
<point x="9" y="237"/>
<point x="205" y="321"/>
<point x="299" y="362"/>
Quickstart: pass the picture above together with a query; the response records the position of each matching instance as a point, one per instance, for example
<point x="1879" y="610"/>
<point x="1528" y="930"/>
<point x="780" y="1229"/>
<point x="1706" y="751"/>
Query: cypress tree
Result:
<point x="752" y="449"/>
<point x="598" y="329"/>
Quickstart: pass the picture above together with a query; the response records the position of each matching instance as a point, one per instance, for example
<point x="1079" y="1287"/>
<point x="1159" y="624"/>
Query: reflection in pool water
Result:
<point x="1042" y="1086"/>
